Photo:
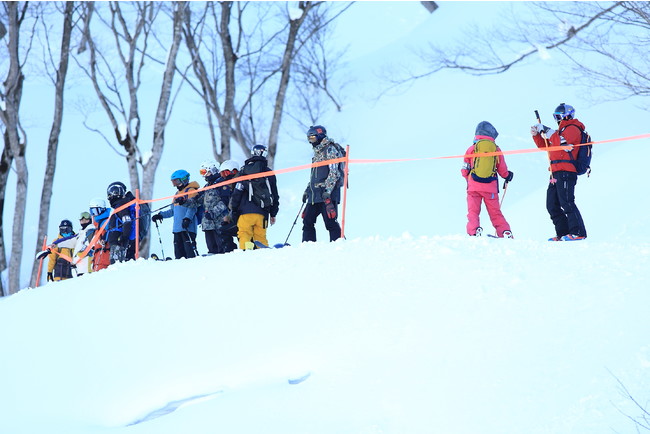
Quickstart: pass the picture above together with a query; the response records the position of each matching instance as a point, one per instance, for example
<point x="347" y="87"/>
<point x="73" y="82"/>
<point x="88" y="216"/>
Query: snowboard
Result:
<point x="261" y="245"/>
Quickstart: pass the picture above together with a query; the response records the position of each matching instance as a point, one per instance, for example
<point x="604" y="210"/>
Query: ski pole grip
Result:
<point x="537" y="117"/>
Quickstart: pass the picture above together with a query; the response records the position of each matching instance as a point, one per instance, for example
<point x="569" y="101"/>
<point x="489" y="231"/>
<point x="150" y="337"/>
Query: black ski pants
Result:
<point x="561" y="206"/>
<point x="184" y="244"/>
<point x="213" y="241"/>
<point x="311" y="213"/>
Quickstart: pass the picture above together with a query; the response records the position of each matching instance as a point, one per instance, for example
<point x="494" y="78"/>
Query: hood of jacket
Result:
<point x="486" y="129"/>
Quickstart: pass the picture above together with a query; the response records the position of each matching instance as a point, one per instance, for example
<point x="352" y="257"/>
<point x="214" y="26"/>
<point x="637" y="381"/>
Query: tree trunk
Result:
<point x="55" y="131"/>
<point x="162" y="113"/>
<point x="287" y="59"/>
<point x="16" y="139"/>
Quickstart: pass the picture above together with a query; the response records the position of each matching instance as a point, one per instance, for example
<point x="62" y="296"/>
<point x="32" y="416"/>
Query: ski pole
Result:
<point x="160" y="239"/>
<point x="294" y="223"/>
<point x="505" y="188"/>
<point x="539" y="121"/>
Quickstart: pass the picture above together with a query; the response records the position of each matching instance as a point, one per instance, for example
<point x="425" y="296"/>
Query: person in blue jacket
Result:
<point x="184" y="211"/>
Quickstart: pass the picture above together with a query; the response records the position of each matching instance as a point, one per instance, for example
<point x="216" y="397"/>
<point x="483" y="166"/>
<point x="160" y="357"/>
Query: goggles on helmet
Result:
<point x="177" y="182"/>
<point x="205" y="172"/>
<point x="226" y="173"/>
<point x="95" y="211"/>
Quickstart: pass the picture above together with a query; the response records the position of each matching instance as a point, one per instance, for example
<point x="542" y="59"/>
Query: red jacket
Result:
<point x="565" y="135"/>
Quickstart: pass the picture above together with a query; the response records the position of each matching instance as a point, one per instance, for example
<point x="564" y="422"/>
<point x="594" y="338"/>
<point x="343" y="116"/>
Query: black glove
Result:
<point x="208" y="215"/>
<point x="186" y="223"/>
<point x="180" y="200"/>
<point x="157" y="218"/>
<point x="304" y="197"/>
<point x="326" y="196"/>
<point x="330" y="209"/>
<point x="50" y="277"/>
<point x="509" y="177"/>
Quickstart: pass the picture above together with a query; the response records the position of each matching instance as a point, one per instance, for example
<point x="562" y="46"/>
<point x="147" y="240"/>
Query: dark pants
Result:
<point x="184" y="244"/>
<point x="312" y="211"/>
<point x="213" y="241"/>
<point x="560" y="203"/>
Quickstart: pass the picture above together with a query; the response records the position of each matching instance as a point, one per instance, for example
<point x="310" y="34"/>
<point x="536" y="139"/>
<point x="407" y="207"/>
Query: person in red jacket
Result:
<point x="560" y="195"/>
<point x="486" y="190"/>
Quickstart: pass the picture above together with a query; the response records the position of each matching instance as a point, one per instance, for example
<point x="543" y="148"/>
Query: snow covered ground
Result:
<point x="444" y="334"/>
<point x="408" y="326"/>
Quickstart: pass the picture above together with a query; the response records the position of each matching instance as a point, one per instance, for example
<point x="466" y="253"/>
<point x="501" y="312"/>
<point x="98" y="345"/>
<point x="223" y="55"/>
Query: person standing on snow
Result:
<point x="483" y="183"/>
<point x="215" y="210"/>
<point x="184" y="212"/>
<point x="254" y="203"/>
<point x="100" y="214"/>
<point x="59" y="266"/>
<point x="323" y="193"/>
<point x="560" y="194"/>
<point x="121" y="227"/>
<point x="228" y="230"/>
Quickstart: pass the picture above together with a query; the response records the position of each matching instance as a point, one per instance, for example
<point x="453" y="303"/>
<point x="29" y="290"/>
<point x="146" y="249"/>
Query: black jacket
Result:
<point x="240" y="202"/>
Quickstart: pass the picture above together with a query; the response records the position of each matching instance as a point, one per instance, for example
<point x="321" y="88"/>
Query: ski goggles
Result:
<point x="95" y="211"/>
<point x="226" y="173"/>
<point x="205" y="172"/>
<point x="176" y="182"/>
<point x="84" y="216"/>
<point x="558" y="116"/>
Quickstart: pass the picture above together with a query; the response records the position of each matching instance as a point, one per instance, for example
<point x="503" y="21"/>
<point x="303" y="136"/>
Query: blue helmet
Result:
<point x="180" y="178"/>
<point x="317" y="131"/>
<point x="564" y="111"/>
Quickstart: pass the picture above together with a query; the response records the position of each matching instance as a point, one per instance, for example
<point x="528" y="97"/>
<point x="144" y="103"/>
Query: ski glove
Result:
<point x="304" y="197"/>
<point x="50" y="277"/>
<point x="330" y="209"/>
<point x="510" y="176"/>
<point x="157" y="218"/>
<point x="180" y="200"/>
<point x="186" y="223"/>
<point x="326" y="196"/>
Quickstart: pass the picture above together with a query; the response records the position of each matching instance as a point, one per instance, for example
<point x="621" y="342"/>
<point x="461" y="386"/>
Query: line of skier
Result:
<point x="243" y="210"/>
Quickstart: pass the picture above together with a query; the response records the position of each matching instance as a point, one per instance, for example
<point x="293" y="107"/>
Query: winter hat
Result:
<point x="485" y="130"/>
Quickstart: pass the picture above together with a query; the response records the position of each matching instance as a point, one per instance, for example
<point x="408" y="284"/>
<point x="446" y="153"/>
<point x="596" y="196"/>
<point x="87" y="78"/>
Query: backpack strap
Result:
<point x="571" y="158"/>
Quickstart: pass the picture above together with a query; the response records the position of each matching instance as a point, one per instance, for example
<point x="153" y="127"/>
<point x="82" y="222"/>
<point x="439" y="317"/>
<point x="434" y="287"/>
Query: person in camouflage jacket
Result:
<point x="214" y="209"/>
<point x="323" y="193"/>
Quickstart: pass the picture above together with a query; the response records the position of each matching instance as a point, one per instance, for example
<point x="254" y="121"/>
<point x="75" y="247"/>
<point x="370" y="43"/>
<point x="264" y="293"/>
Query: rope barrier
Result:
<point x="346" y="160"/>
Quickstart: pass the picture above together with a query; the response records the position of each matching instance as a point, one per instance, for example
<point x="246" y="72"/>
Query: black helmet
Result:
<point x="65" y="227"/>
<point x="259" y="151"/>
<point x="116" y="190"/>
<point x="563" y="111"/>
<point x="317" y="131"/>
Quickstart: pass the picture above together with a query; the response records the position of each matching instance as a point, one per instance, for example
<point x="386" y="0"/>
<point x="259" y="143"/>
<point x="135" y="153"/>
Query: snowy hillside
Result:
<point x="404" y="335"/>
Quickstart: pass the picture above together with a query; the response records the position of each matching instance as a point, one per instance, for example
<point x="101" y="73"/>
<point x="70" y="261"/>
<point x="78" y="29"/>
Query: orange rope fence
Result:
<point x="137" y="201"/>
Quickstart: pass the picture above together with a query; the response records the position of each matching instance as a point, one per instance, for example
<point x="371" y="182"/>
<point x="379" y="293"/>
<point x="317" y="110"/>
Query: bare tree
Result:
<point x="603" y="44"/>
<point x="58" y="76"/>
<point x="117" y="74"/>
<point x="15" y="139"/>
<point x="247" y="64"/>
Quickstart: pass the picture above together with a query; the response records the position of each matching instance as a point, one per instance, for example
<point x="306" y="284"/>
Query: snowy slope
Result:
<point x="430" y="334"/>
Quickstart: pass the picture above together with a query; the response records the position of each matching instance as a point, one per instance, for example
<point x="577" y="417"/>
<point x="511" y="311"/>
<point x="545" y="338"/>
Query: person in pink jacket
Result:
<point x="485" y="188"/>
